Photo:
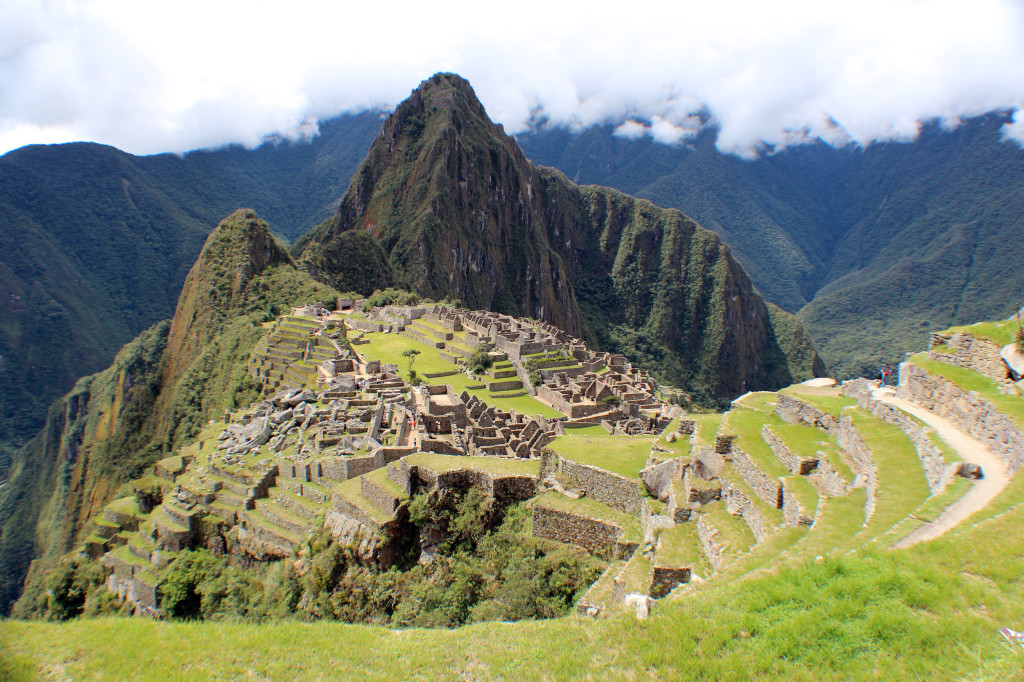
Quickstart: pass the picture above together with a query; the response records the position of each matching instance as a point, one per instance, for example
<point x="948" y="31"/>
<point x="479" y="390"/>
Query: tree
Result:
<point x="410" y="356"/>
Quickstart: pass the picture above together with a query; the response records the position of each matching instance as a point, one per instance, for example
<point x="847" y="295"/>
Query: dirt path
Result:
<point x="970" y="450"/>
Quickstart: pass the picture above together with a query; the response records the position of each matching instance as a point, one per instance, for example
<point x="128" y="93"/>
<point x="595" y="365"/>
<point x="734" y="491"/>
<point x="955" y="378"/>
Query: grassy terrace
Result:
<point x="491" y="465"/>
<point x="731" y="529"/>
<point x="388" y="348"/>
<point x="930" y="509"/>
<point x="901" y="483"/>
<point x="586" y="506"/>
<point x="624" y="455"/>
<point x="1000" y="333"/>
<point x="826" y="400"/>
<point x="379" y="477"/>
<point x="838" y="519"/>
<point x="929" y="612"/>
<point x="680" y="546"/>
<point x="969" y="380"/>
<point x="636" y="574"/>
<point x="705" y="428"/>
<point x="351" y="491"/>
<point x="808" y="441"/>
<point x="747" y="425"/>
<point x="762" y="401"/>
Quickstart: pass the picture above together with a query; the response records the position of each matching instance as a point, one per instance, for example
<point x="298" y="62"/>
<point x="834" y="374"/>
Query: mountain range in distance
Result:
<point x="870" y="247"/>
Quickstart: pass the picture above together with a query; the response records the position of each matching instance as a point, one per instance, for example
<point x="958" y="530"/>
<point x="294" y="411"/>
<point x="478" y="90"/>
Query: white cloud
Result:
<point x="150" y="77"/>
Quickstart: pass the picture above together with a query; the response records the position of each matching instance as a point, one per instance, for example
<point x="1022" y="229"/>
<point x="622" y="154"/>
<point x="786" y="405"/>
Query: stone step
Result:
<point x="294" y="503"/>
<point x="281" y="517"/>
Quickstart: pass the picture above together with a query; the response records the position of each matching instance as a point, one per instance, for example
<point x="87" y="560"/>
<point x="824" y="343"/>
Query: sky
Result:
<point x="169" y="77"/>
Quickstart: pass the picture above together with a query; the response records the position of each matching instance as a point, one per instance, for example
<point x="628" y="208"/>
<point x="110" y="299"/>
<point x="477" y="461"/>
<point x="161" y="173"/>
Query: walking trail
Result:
<point x="970" y="450"/>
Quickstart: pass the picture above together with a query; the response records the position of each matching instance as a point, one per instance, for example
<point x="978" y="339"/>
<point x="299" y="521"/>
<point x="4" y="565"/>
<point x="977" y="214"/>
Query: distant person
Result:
<point x="884" y="375"/>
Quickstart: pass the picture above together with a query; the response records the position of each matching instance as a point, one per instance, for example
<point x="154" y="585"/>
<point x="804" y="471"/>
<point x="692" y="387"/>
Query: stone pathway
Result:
<point x="971" y="450"/>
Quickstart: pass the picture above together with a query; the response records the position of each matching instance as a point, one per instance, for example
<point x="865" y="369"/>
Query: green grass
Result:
<point x="586" y="506"/>
<point x="746" y="425"/>
<point x="807" y="441"/>
<point x="380" y="478"/>
<point x="732" y="529"/>
<point x="829" y="404"/>
<point x="491" y="465"/>
<point x="762" y="401"/>
<point x="929" y="612"/>
<point x="388" y="348"/>
<point x="1000" y="333"/>
<point x="969" y="380"/>
<point x="706" y="426"/>
<point x="901" y="483"/>
<point x="680" y="546"/>
<point x="623" y="455"/>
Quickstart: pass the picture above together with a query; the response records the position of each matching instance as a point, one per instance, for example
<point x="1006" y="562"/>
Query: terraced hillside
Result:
<point x="784" y="537"/>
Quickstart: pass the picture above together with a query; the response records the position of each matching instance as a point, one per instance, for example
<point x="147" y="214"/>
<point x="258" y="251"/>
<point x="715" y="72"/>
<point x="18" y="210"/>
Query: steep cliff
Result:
<point x="459" y="212"/>
<point x="161" y="388"/>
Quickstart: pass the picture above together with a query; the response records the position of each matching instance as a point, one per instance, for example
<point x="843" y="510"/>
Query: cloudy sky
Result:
<point x="154" y="77"/>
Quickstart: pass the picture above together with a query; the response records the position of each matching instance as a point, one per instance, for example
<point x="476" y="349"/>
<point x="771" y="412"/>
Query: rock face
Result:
<point x="454" y="209"/>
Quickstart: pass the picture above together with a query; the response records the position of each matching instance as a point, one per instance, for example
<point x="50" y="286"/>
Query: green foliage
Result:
<point x="69" y="586"/>
<point x="481" y="359"/>
<point x="191" y="585"/>
<point x="389" y="296"/>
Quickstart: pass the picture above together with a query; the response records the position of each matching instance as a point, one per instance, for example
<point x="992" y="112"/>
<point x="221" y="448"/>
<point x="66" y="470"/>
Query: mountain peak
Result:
<point x="449" y="206"/>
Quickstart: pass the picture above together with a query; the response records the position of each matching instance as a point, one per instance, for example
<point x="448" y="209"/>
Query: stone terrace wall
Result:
<point x="966" y="409"/>
<point x="708" y="536"/>
<point x="667" y="578"/>
<point x="965" y="350"/>
<point x="736" y="502"/>
<point x="796" y="411"/>
<point x="597" y="537"/>
<point x="607" y="488"/>
<point x="763" y="485"/>
<point x="794" y="462"/>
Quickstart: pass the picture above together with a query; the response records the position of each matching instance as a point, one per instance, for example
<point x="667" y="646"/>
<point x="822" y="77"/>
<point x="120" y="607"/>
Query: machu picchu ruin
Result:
<point x="343" y="439"/>
<point x="444" y="412"/>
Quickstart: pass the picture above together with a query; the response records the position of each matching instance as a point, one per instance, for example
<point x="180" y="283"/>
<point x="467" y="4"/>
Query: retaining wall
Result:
<point x="967" y="410"/>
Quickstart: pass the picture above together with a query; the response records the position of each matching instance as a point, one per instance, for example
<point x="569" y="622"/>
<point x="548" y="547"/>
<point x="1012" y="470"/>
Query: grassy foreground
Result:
<point x="930" y="612"/>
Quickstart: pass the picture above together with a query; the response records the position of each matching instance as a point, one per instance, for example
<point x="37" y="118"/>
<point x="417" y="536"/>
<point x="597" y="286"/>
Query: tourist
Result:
<point x="884" y="375"/>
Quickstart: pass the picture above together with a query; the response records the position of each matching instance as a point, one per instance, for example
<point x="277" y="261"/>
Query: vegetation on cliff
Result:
<point x="873" y="246"/>
<point x="158" y="392"/>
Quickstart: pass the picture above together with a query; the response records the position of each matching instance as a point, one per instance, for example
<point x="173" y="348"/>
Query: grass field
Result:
<point x="625" y="455"/>
<point x="388" y="348"/>
<point x="929" y="612"/>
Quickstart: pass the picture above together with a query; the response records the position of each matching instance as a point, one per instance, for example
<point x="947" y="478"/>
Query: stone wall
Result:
<point x="847" y="438"/>
<point x="380" y="497"/>
<point x="607" y="488"/>
<point x="793" y="512"/>
<point x="708" y="536"/>
<point x="737" y="502"/>
<point x="792" y="461"/>
<point x="598" y="537"/>
<point x="667" y="578"/>
<point x="763" y="485"/>
<point x="964" y="350"/>
<point x="967" y="410"/>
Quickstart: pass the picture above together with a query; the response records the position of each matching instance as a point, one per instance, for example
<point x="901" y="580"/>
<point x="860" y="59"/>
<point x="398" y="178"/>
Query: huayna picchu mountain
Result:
<point x="157" y="393"/>
<point x="448" y="205"/>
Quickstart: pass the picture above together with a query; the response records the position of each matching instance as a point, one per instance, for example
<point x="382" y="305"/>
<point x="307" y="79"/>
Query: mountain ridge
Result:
<point x="445" y="193"/>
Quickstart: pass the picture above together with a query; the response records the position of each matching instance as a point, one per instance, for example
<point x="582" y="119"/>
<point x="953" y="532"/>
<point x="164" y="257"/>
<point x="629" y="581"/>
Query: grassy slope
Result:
<point x="931" y="611"/>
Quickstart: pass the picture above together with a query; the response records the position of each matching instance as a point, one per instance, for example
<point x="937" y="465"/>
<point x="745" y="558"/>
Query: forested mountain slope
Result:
<point x="95" y="244"/>
<point x="872" y="246"/>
